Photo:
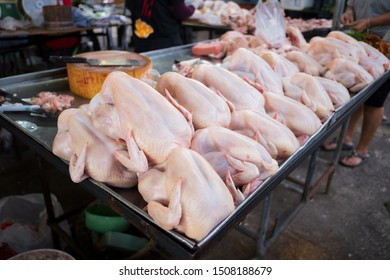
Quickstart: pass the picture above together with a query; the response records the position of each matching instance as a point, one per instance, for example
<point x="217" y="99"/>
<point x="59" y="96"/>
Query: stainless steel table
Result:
<point x="128" y="202"/>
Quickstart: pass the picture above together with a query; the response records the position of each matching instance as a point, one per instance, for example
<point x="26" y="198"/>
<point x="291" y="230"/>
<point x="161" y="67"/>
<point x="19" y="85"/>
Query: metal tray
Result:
<point x="128" y="202"/>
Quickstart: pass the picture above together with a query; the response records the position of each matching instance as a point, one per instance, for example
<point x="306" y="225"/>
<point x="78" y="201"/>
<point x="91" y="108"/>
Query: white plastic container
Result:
<point x="296" y="5"/>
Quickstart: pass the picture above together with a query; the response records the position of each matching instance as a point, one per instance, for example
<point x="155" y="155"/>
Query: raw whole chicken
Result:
<point x="90" y="153"/>
<point x="373" y="66"/>
<point x="277" y="138"/>
<point x="233" y="40"/>
<point x="255" y="42"/>
<point x="336" y="91"/>
<point x="296" y="38"/>
<point x="248" y="162"/>
<point x="127" y="108"/>
<point x="325" y="50"/>
<point x="209" y="12"/>
<point x="228" y="43"/>
<point x="224" y="13"/>
<point x="376" y="55"/>
<point x="308" y="24"/>
<point x="207" y="108"/>
<point x="281" y="65"/>
<point x="298" y="93"/>
<point x="375" y="69"/>
<point x="352" y="42"/>
<point x="374" y="61"/>
<point x="302" y="121"/>
<point x="350" y="74"/>
<point x="247" y="64"/>
<point x="232" y="87"/>
<point x="236" y="17"/>
<point x="305" y="63"/>
<point x="186" y="194"/>
<point x="312" y="94"/>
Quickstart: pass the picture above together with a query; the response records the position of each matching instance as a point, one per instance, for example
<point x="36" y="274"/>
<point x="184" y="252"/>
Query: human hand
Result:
<point x="347" y="18"/>
<point x="360" y="25"/>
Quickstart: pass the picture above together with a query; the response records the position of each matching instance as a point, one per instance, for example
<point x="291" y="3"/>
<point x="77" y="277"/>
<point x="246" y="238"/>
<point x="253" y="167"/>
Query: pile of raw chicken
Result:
<point x="205" y="137"/>
<point x="229" y="13"/>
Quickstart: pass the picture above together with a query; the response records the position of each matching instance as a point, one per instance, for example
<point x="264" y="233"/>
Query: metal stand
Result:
<point x="128" y="202"/>
<point x="307" y="189"/>
<point x="58" y="233"/>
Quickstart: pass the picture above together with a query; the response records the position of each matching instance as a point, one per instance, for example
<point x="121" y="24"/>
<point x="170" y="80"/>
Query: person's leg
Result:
<point x="371" y="121"/>
<point x="370" y="125"/>
<point x="347" y="143"/>
<point x="353" y="122"/>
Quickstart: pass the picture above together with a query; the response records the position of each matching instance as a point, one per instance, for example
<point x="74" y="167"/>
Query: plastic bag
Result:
<point x="23" y="222"/>
<point x="270" y="25"/>
<point x="150" y="77"/>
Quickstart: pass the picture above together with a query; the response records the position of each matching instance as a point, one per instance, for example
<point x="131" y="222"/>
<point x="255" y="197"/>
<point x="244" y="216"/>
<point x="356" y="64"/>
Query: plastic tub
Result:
<point x="123" y="241"/>
<point x="100" y="218"/>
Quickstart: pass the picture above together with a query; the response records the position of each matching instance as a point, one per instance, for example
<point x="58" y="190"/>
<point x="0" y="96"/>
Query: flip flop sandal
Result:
<point x="355" y="154"/>
<point x="345" y="147"/>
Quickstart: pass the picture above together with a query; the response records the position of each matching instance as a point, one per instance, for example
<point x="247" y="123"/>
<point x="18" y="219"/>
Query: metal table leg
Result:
<point x="261" y="236"/>
<point x="336" y="154"/>
<point x="48" y="202"/>
<point x="53" y="221"/>
<point x="280" y="226"/>
<point x="261" y="240"/>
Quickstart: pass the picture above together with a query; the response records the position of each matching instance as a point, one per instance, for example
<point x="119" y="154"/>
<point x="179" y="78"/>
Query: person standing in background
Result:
<point x="157" y="23"/>
<point x="372" y="16"/>
<point x="367" y="15"/>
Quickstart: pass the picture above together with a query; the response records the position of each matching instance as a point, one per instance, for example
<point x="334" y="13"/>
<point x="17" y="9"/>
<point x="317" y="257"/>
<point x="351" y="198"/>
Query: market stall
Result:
<point x="39" y="35"/>
<point x="38" y="132"/>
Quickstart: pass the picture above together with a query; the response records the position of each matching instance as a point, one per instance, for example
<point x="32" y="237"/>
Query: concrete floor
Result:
<point x="352" y="221"/>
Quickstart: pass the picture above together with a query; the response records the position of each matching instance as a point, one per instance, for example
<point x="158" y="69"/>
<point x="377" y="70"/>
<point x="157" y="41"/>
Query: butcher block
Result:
<point x="86" y="80"/>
